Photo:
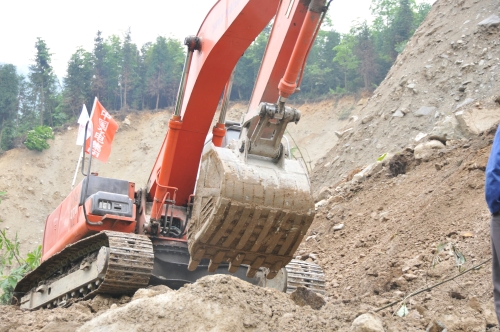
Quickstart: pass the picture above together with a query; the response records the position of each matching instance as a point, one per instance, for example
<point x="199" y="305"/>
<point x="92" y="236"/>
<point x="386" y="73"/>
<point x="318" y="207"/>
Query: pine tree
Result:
<point x="140" y="92"/>
<point x="403" y="25"/>
<point x="365" y="51"/>
<point x="129" y="75"/>
<point x="345" y="57"/>
<point x="113" y="66"/>
<point x="77" y="83"/>
<point x="9" y="92"/>
<point x="99" y="77"/>
<point x="175" y="65"/>
<point x="43" y="83"/>
<point x="156" y="76"/>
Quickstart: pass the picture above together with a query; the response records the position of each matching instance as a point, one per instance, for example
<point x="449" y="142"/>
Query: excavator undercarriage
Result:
<point x="108" y="262"/>
<point x="115" y="263"/>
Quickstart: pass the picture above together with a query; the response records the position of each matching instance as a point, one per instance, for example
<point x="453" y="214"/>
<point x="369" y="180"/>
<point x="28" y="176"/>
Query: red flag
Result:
<point x="103" y="132"/>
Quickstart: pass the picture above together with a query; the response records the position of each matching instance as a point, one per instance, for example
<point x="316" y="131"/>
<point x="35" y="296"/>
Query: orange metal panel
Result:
<point x="284" y="34"/>
<point x="67" y="223"/>
<point x="288" y="83"/>
<point x="226" y="33"/>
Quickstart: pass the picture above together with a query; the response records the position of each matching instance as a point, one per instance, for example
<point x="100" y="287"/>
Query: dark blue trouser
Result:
<point x="495" y="246"/>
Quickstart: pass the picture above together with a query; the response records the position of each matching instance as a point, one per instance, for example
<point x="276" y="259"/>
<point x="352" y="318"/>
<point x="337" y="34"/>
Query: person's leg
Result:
<point x="495" y="246"/>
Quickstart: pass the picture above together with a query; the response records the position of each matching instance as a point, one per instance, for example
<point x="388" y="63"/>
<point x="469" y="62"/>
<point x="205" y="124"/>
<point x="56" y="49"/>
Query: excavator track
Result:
<point x="108" y="262"/>
<point x="305" y="274"/>
<point x="120" y="263"/>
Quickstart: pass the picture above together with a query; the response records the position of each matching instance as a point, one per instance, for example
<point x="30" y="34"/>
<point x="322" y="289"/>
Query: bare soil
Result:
<point x="377" y="240"/>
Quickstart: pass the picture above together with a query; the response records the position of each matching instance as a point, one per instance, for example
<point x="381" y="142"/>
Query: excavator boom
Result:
<point x="252" y="205"/>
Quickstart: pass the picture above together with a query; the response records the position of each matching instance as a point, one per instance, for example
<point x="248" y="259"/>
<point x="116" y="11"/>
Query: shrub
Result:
<point x="37" y="138"/>
<point x="9" y="254"/>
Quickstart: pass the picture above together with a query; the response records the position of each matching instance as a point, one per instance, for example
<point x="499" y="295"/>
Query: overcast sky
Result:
<point x="67" y="25"/>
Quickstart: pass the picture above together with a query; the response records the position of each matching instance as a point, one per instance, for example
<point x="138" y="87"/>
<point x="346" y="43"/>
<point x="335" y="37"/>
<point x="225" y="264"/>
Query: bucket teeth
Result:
<point x="248" y="213"/>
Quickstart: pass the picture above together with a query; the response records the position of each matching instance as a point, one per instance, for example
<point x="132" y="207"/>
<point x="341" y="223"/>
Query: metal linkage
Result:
<point x="265" y="139"/>
<point x="193" y="44"/>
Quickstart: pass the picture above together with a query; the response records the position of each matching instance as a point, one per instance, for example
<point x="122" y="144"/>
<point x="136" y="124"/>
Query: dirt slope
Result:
<point x="391" y="229"/>
<point x="445" y="83"/>
<point x="392" y="226"/>
<point x="37" y="182"/>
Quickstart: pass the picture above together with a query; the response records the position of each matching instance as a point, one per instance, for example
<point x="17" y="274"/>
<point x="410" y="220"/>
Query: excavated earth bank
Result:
<point x="378" y="227"/>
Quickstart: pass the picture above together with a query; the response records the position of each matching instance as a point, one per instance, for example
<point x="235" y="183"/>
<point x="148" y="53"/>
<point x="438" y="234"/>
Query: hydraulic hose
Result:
<point x="288" y="83"/>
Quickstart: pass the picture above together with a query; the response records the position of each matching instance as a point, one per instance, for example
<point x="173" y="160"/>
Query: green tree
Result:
<point x="248" y="66"/>
<point x="113" y="65"/>
<point x="129" y="75"/>
<point x="140" y="92"/>
<point x="365" y="52"/>
<point x="321" y="75"/>
<point x="176" y="57"/>
<point x="164" y="68"/>
<point x="345" y="57"/>
<point x="9" y="93"/>
<point x="43" y="83"/>
<point x="422" y="10"/>
<point x="403" y="25"/>
<point x="157" y="70"/>
<point x="98" y="83"/>
<point x="384" y="12"/>
<point x="26" y="117"/>
<point x="78" y="82"/>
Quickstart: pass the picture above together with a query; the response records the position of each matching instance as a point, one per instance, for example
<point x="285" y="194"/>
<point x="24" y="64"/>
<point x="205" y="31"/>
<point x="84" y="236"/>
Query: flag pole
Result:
<point x="77" y="166"/>
<point x="83" y="120"/>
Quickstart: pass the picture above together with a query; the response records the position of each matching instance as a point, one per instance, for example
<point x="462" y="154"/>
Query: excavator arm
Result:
<point x="227" y="31"/>
<point x="252" y="205"/>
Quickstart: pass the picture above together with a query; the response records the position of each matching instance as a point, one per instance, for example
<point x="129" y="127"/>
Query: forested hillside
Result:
<point x="126" y="76"/>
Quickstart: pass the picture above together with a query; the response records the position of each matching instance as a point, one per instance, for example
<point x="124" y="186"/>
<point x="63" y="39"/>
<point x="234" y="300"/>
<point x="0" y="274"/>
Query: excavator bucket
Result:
<point x="249" y="211"/>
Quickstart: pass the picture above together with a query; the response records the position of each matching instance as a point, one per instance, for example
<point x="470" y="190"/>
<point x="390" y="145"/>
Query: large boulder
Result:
<point x="302" y="296"/>
<point x="425" y="150"/>
<point x="368" y="322"/>
<point x="490" y="24"/>
<point x="323" y="194"/>
<point x="367" y="172"/>
<point x="475" y="121"/>
<point x="425" y="111"/>
<point x="446" y="129"/>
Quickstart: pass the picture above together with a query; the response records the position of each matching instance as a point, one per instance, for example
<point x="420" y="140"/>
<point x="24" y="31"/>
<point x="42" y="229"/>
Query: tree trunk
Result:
<point x="125" y="95"/>
<point x="1" y="133"/>
<point x="43" y="105"/>
<point x="157" y="90"/>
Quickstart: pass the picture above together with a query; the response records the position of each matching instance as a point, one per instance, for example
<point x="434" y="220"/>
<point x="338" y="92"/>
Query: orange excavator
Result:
<point x="245" y="204"/>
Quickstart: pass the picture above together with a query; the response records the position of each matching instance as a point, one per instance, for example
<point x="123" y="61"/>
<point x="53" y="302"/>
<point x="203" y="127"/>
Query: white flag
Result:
<point x="82" y="121"/>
